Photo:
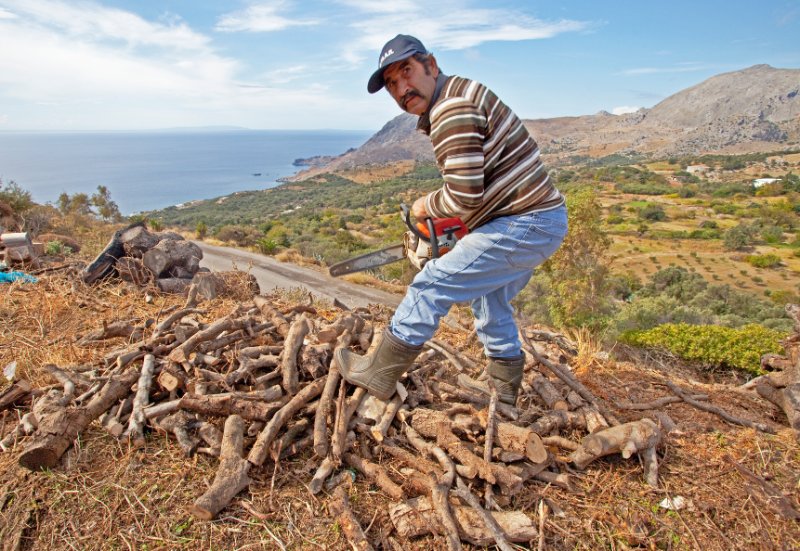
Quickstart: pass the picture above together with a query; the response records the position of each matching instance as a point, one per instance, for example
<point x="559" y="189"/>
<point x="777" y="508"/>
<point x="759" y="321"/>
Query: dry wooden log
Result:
<point x="179" y="424"/>
<point x="173" y="318"/>
<point x="172" y="378"/>
<point x="322" y="473"/>
<point x="226" y="405"/>
<point x="718" y="411"/>
<point x="261" y="447"/>
<point x="417" y="517"/>
<point x="344" y="413"/>
<point x="551" y="396"/>
<point x="641" y="437"/>
<point x="374" y="473"/>
<point x="164" y="408"/>
<point x="477" y="398"/>
<point x="658" y="402"/>
<point x="133" y="271"/>
<point x="787" y="399"/>
<point x="493" y="473"/>
<point x="27" y="425"/>
<point x="378" y="432"/>
<point x="173" y="285"/>
<point x="340" y="506"/>
<point x="488" y="520"/>
<point x="321" y="441"/>
<point x="556" y="479"/>
<point x="61" y="426"/>
<point x="561" y="341"/>
<point x="555" y="421"/>
<point x="571" y="381"/>
<point x="17" y="392"/>
<point x="517" y="439"/>
<point x="124" y="329"/>
<point x="273" y="315"/>
<point x="137" y="420"/>
<point x="169" y="253"/>
<point x="104" y="264"/>
<point x="232" y="474"/>
<point x="248" y="366"/>
<point x="181" y="353"/>
<point x="212" y="436"/>
<point x="291" y="348"/>
<point x="296" y="429"/>
<point x="595" y="421"/>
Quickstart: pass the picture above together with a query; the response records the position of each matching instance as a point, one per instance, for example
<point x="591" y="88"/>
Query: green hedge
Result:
<point x="712" y="345"/>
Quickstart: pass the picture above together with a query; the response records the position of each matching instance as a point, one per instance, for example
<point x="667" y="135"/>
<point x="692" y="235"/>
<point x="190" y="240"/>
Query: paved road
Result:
<point x="271" y="274"/>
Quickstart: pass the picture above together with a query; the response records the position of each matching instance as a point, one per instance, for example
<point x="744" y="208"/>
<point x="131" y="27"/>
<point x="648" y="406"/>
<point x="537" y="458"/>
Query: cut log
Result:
<point x="261" y="447"/>
<point x="277" y="319"/>
<point x="137" y="420"/>
<point x="59" y="428"/>
<point x="417" y="517"/>
<point x="173" y="285"/>
<point x="641" y="437"/>
<point x="104" y="265"/>
<point x="15" y="393"/>
<point x="340" y="506"/>
<point x="374" y="473"/>
<point x="291" y="348"/>
<point x="133" y="271"/>
<point x="224" y="406"/>
<point x="788" y="399"/>
<point x="170" y="253"/>
<point x="231" y="477"/>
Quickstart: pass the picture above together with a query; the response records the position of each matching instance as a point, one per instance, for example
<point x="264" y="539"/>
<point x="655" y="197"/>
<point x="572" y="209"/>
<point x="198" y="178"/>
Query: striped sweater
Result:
<point x="488" y="160"/>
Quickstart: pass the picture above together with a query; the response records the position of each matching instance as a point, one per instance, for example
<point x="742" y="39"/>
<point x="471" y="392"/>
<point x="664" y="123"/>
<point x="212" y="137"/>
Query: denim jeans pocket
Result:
<point x="542" y="235"/>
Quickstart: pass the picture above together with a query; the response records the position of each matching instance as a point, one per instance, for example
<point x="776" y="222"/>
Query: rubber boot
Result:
<point x="378" y="371"/>
<point x="506" y="373"/>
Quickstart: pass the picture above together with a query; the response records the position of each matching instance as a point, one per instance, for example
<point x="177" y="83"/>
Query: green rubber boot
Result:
<point x="506" y="373"/>
<point x="378" y="371"/>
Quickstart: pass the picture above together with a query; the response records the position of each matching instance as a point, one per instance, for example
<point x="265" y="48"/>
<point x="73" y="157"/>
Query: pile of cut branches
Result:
<point x="258" y="385"/>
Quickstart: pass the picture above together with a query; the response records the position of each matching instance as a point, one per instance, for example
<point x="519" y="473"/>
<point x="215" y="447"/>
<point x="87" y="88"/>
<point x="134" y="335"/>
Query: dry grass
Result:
<point x="105" y="496"/>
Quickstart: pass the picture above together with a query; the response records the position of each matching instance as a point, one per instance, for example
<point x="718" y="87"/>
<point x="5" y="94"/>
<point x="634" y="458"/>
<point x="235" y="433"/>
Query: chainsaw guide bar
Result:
<point x="368" y="261"/>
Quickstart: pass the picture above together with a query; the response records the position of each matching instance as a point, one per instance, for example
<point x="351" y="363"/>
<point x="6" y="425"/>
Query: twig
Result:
<point x="464" y="493"/>
<point x="718" y="411"/>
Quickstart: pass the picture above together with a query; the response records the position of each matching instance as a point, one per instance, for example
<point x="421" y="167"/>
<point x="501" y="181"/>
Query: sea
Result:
<point x="146" y="171"/>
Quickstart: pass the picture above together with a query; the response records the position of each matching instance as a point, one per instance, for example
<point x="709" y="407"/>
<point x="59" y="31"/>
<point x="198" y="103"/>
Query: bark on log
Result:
<point x="261" y="447"/>
<point x="374" y="473"/>
<point x="291" y="348"/>
<point x="104" y="264"/>
<point x="224" y="406"/>
<point x="551" y="396"/>
<point x="137" y="420"/>
<point x="15" y="393"/>
<point x="641" y="437"/>
<point x="173" y="285"/>
<point x="340" y="506"/>
<point x="232" y="474"/>
<point x="321" y="440"/>
<point x="58" y="430"/>
<point x="277" y="319"/>
<point x="322" y="473"/>
<point x="181" y="353"/>
<point x="788" y="399"/>
<point x="417" y="517"/>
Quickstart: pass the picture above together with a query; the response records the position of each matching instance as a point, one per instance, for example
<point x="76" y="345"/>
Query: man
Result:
<point x="495" y="182"/>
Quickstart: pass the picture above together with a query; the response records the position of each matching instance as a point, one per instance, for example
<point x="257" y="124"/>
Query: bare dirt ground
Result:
<point x="735" y="483"/>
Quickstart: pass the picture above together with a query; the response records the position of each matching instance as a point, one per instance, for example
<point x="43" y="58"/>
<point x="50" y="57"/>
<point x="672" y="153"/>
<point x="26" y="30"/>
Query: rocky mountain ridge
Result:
<point x="754" y="109"/>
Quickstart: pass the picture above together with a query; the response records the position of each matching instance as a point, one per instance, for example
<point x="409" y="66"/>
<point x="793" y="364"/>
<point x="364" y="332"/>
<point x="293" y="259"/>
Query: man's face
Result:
<point x="411" y="84"/>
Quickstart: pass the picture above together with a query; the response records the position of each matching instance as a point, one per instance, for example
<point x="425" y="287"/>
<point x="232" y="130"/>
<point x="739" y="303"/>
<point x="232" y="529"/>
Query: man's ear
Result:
<point x="434" y="66"/>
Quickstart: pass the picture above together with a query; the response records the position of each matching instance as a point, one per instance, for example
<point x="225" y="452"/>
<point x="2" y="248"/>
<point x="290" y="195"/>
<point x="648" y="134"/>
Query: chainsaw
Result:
<point x="418" y="246"/>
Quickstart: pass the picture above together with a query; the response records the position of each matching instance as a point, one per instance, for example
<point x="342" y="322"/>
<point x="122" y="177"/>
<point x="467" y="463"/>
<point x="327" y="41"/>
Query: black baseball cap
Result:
<point x="399" y="48"/>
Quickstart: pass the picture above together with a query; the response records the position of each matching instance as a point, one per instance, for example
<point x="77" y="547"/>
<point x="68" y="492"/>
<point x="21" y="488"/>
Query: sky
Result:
<point x="83" y="65"/>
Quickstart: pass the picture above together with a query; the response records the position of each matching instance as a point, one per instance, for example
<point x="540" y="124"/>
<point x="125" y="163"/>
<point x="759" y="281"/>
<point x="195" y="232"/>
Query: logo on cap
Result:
<point x="386" y="54"/>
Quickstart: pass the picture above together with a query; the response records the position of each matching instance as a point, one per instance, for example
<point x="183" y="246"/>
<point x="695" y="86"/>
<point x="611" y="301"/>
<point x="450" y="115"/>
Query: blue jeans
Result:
<point x="487" y="268"/>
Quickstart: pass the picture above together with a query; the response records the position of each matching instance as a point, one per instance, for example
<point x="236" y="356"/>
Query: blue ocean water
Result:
<point x="152" y="170"/>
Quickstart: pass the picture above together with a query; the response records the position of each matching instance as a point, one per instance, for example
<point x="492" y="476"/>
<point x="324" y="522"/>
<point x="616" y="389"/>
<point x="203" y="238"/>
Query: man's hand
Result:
<point x="418" y="209"/>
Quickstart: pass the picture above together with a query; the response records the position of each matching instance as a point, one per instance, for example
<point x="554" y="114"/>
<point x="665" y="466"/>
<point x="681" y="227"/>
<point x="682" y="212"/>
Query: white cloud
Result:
<point x="5" y="14"/>
<point x="447" y="25"/>
<point x="623" y="109"/>
<point x="685" y="67"/>
<point x="260" y="17"/>
<point x="3" y="119"/>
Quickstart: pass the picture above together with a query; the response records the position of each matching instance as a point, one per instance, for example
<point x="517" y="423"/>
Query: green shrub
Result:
<point x="56" y="248"/>
<point x="267" y="246"/>
<point x="712" y="345"/>
<point x="763" y="260"/>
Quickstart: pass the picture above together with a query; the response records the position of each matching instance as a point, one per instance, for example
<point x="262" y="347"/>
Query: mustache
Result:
<point x="407" y="97"/>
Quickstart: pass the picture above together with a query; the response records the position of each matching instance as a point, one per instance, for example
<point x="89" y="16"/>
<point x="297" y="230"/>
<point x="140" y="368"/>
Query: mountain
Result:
<point x="754" y="109"/>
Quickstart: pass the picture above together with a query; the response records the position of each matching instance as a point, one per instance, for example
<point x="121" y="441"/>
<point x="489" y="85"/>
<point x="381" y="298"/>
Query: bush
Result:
<point x="652" y="212"/>
<point x="712" y="345"/>
<point x="763" y="260"/>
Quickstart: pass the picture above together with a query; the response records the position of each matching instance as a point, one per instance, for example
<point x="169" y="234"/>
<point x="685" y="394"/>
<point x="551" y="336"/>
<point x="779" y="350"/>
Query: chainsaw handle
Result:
<point x="431" y="230"/>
